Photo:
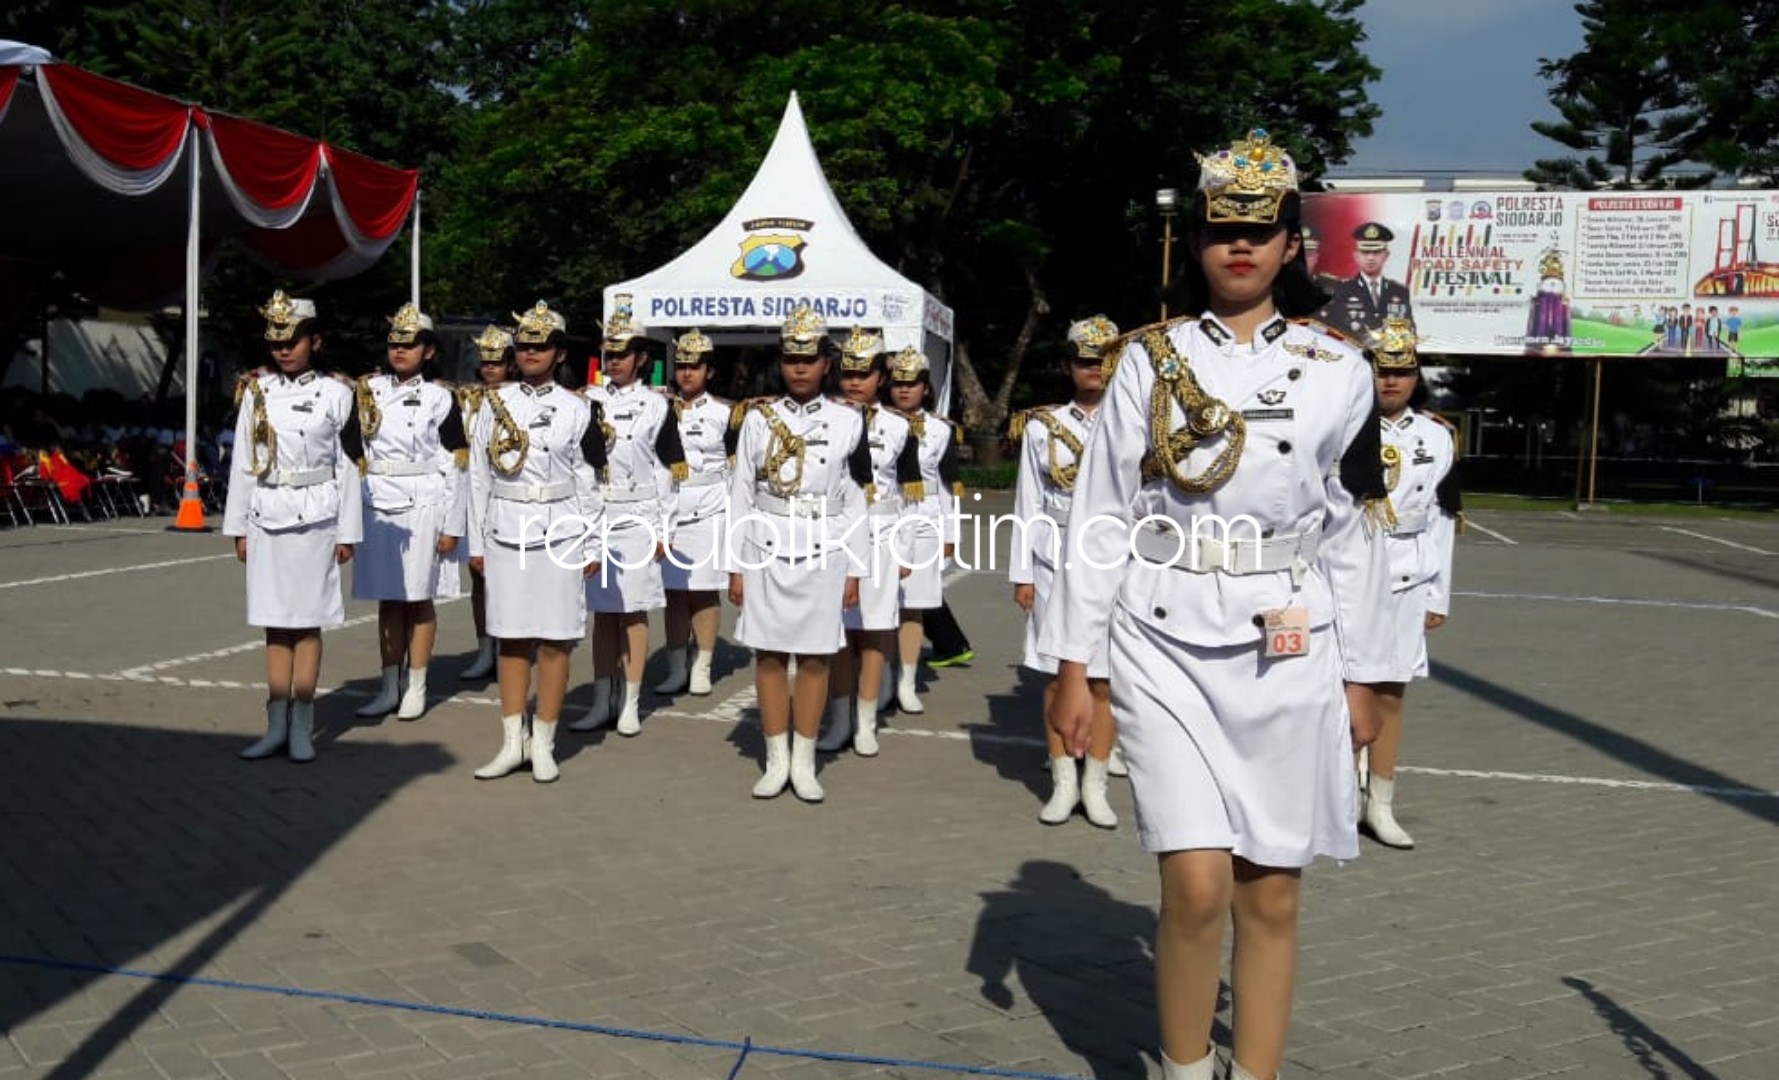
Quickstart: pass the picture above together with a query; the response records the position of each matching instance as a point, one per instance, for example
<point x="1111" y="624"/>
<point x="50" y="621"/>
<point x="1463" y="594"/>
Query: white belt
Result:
<point x="296" y="478"/>
<point x="397" y="467"/>
<point x="1409" y="524"/>
<point x="533" y="493"/>
<point x="884" y="506"/>
<point x="1057" y="504"/>
<point x="1201" y="554"/>
<point x="797" y="506"/>
<point x="628" y="493"/>
<point x="703" y="479"/>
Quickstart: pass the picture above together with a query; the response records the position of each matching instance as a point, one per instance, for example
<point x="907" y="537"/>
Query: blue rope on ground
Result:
<point x="746" y="1047"/>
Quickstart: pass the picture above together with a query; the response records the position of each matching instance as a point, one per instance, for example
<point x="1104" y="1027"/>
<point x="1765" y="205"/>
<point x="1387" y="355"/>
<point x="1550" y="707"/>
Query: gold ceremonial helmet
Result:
<point x="494" y="343"/>
<point x="1090" y="336"/>
<point x="908" y="365"/>
<point x="283" y="315"/>
<point x="1246" y="183"/>
<point x="406" y="324"/>
<point x="621" y="328"/>
<point x="803" y="332"/>
<point x="690" y="348"/>
<point x="1392" y="346"/>
<point x="536" y="325"/>
<point x="860" y="350"/>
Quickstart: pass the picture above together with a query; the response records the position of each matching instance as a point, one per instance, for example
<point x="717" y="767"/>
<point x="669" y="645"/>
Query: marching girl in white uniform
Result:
<point x="494" y="351"/>
<point x="797" y="498"/>
<point x="693" y="573"/>
<point x="871" y="623"/>
<point x="1051" y="439"/>
<point x="1228" y="645"/>
<point x="928" y="532"/>
<point x="1420" y="455"/>
<point x="415" y="496"/>
<point x="294" y="511"/>
<point x="644" y="464"/>
<point x="535" y="520"/>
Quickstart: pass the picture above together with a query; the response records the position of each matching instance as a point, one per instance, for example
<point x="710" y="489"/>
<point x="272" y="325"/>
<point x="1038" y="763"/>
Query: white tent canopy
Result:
<point x="787" y="242"/>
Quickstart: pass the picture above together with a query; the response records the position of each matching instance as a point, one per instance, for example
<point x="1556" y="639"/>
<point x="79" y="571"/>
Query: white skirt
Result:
<point x="399" y="558"/>
<point x="793" y="606"/>
<point x="630" y="577"/>
<point x="880" y="593"/>
<point x="1230" y="751"/>
<point x="1408" y="621"/>
<point x="531" y="596"/>
<point x="1043" y="578"/>
<point x="293" y="582"/>
<point x="691" y="564"/>
<point x="920" y="548"/>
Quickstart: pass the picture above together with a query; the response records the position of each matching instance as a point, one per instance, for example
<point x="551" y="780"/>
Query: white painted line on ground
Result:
<point x="1471" y="522"/>
<point x="729" y="712"/>
<point x="1713" y="539"/>
<point x="1627" y="601"/>
<point x="106" y="529"/>
<point x="1569" y="514"/>
<point x="112" y="570"/>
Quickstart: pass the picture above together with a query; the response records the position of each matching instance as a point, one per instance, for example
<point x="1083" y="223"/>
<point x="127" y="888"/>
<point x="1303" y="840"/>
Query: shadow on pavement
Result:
<point x="119" y="840"/>
<point x="1012" y="739"/>
<point x="1647" y="1047"/>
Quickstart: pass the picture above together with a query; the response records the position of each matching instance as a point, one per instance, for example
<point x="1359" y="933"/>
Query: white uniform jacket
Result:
<point x="895" y="464"/>
<point x="643" y="458"/>
<point x="314" y="478"/>
<point x="1425" y="496"/>
<point x="1307" y="399"/>
<point x="788" y="516"/>
<point x="557" y="487"/>
<point x="937" y="442"/>
<point x="413" y="459"/>
<point x="707" y="439"/>
<point x="1040" y="504"/>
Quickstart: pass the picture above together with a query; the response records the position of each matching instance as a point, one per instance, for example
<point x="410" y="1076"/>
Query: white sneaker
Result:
<point x="906" y="698"/>
<point x="543" y="751"/>
<point x="1093" y="795"/>
<point x="803" y="780"/>
<point x="1203" y="1069"/>
<point x="1115" y="765"/>
<point x="513" y="750"/>
<point x="1380" y="816"/>
<point x="864" y="740"/>
<point x="1065" y="791"/>
<point x="699" y="684"/>
<point x="413" y="705"/>
<point x="630" y="720"/>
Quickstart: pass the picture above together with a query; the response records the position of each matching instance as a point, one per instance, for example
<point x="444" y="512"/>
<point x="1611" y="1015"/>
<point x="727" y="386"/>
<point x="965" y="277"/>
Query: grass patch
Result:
<point x="988" y="477"/>
<point x="1478" y="501"/>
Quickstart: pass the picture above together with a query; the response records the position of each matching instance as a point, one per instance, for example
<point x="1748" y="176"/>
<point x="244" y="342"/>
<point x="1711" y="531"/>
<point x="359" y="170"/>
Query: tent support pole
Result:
<point x="191" y="508"/>
<point x="414" y="259"/>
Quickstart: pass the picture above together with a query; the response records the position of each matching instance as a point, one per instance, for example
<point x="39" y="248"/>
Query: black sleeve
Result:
<point x="352" y="436"/>
<point x="451" y="434"/>
<point x="859" y="461"/>
<point x="731" y="439"/>
<point x="668" y="448"/>
<point x="1451" y="500"/>
<point x="1362" y="466"/>
<point x="593" y="439"/>
<point x="948" y="462"/>
<point x="908" y="461"/>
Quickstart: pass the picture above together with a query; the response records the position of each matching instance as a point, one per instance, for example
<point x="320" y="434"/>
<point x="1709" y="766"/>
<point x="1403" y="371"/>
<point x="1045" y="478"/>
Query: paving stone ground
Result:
<point x="1594" y="784"/>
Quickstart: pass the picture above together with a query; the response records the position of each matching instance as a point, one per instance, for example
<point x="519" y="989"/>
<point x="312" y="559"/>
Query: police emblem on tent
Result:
<point x="771" y="256"/>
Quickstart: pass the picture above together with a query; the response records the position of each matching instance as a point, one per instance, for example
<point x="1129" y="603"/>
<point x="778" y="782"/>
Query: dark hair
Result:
<point x="1294" y="292"/>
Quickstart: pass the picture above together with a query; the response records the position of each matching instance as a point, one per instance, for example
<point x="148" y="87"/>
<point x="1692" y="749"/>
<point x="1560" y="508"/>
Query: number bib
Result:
<point x="1286" y="632"/>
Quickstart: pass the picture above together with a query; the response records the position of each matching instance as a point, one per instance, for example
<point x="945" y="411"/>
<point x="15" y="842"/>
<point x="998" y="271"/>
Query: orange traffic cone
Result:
<point x="191" y="508"/>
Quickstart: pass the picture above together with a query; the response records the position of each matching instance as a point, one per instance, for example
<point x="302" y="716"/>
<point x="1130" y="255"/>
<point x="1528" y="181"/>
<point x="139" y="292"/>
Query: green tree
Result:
<point x="1726" y="53"/>
<point x="1625" y="110"/>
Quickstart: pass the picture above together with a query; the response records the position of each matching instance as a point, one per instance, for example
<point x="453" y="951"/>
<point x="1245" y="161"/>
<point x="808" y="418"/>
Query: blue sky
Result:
<point x="1460" y="84"/>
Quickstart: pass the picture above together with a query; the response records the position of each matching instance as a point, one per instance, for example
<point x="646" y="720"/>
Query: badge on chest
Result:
<point x="1286" y="632"/>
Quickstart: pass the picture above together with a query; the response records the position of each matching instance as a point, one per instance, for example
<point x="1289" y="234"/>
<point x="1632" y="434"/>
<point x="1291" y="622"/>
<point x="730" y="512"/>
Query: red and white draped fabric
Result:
<point x="303" y="208"/>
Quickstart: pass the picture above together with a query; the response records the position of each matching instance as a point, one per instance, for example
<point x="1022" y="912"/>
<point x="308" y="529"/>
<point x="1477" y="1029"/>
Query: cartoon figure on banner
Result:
<point x="1547" y="320"/>
<point x="1360" y="304"/>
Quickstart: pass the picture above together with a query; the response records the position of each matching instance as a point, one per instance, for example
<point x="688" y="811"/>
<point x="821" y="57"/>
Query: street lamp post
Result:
<point x="1167" y="200"/>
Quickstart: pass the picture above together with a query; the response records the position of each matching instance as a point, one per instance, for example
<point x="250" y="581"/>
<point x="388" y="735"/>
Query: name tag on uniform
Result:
<point x="1287" y="632"/>
<point x="412" y="402"/>
<point x="1266" y="414"/>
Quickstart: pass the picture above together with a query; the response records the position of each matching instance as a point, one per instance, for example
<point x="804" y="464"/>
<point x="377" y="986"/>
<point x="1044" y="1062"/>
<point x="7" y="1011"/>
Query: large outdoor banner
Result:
<point x="1558" y="273"/>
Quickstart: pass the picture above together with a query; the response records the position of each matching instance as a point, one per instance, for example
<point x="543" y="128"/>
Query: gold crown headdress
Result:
<point x="405" y="325"/>
<point x="1392" y="346"/>
<point x="908" y="365"/>
<point x="860" y="350"/>
<point x="691" y="347"/>
<point x="284" y="314"/>
<point x="494" y="343"/>
<point x="1091" y="336"/>
<point x="803" y="332"/>
<point x="621" y="328"/>
<point x="536" y="325"/>
<point x="1248" y="182"/>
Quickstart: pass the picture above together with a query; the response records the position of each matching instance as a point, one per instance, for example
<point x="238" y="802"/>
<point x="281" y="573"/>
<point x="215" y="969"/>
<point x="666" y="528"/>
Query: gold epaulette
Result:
<point x="1016" y="424"/>
<point x="241" y="382"/>
<point x="957" y="489"/>
<point x="1115" y="348"/>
